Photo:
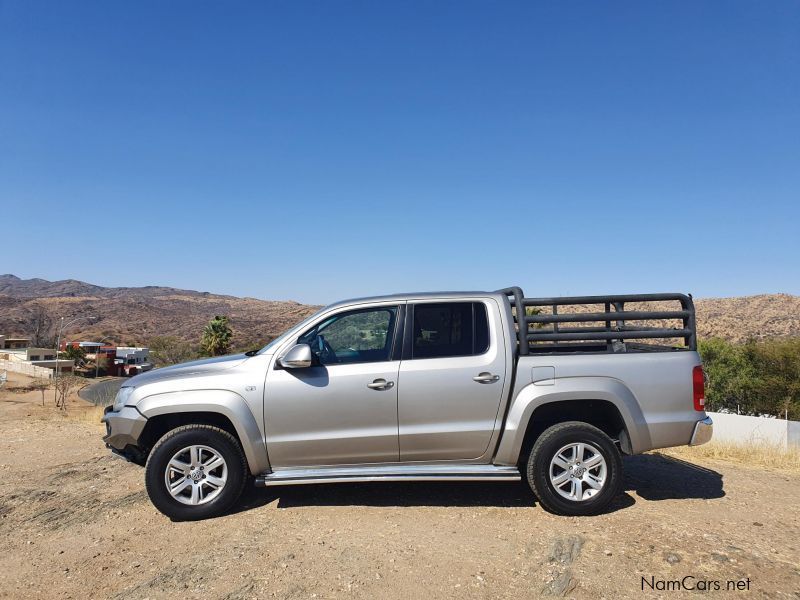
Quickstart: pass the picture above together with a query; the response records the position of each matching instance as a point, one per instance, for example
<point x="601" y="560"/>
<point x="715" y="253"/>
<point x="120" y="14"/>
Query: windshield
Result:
<point x="271" y="346"/>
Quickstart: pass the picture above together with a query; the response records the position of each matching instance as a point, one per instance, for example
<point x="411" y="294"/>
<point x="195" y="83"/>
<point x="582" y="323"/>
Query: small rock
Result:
<point x="757" y="524"/>
<point x="672" y="558"/>
<point x="566" y="549"/>
<point x="607" y="552"/>
<point x="719" y="557"/>
<point x="562" y="585"/>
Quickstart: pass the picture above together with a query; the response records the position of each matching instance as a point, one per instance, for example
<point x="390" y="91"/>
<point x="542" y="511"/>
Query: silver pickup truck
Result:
<point x="466" y="386"/>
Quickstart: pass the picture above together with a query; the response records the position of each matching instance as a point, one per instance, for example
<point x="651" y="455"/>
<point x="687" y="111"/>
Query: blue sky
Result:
<point x="319" y="150"/>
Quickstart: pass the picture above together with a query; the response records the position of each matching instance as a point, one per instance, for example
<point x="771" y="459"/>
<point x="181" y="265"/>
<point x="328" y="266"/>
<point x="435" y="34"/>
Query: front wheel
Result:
<point x="195" y="472"/>
<point x="574" y="469"/>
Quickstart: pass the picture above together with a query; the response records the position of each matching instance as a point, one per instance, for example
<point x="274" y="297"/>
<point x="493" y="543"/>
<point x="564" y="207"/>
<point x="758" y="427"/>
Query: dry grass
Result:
<point x="759" y="455"/>
<point x="85" y="414"/>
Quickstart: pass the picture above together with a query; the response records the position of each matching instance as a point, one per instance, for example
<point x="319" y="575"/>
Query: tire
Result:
<point x="205" y="466"/>
<point x="554" y="462"/>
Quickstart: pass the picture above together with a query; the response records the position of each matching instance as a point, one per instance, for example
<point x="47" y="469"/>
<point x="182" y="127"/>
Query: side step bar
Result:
<point x="300" y="476"/>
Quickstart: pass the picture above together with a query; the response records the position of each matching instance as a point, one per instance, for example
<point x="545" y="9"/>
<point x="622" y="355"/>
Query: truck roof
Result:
<point x="413" y="296"/>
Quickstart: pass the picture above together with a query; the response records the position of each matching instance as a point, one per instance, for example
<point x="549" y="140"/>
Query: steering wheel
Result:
<point x="324" y="350"/>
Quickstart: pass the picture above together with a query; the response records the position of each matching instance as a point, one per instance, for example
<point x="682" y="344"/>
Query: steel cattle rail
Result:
<point x="543" y="333"/>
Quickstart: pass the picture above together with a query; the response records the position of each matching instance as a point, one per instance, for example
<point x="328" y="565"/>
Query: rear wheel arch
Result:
<point x="527" y="400"/>
<point x="602" y="414"/>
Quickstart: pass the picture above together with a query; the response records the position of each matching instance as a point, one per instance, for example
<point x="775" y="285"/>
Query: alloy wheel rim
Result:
<point x="196" y="475"/>
<point x="578" y="471"/>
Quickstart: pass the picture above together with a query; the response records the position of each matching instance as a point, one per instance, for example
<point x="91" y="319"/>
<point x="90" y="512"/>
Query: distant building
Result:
<point x="88" y="346"/>
<point x="124" y="361"/>
<point x="35" y="354"/>
<point x="16" y="353"/>
<point x="91" y="348"/>
<point x="11" y="343"/>
<point x="133" y="361"/>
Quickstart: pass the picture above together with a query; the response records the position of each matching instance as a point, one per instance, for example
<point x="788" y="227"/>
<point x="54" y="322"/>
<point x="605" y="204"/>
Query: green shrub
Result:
<point x="754" y="378"/>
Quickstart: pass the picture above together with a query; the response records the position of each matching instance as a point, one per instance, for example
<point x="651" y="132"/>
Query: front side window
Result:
<point x="450" y="329"/>
<point x="353" y="337"/>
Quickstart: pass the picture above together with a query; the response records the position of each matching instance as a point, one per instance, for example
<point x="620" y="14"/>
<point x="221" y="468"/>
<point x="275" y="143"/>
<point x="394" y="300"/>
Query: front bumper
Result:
<point x="123" y="429"/>
<point x="703" y="431"/>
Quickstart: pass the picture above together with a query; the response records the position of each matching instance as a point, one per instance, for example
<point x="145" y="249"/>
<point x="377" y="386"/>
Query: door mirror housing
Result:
<point x="298" y="357"/>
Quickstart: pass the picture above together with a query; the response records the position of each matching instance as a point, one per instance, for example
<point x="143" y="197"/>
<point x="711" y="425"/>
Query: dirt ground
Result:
<point x="75" y="522"/>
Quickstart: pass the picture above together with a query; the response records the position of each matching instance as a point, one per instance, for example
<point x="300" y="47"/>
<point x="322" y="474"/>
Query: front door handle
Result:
<point x="486" y="378"/>
<point x="380" y="384"/>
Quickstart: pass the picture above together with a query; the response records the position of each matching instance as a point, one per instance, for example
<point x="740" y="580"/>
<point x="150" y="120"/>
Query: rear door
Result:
<point x="451" y="380"/>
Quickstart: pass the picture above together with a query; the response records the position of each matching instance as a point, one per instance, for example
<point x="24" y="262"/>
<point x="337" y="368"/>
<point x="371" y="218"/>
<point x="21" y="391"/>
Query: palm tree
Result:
<point x="216" y="337"/>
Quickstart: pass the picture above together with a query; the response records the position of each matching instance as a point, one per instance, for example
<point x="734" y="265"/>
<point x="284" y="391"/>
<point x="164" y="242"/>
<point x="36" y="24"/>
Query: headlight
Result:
<point x="122" y="397"/>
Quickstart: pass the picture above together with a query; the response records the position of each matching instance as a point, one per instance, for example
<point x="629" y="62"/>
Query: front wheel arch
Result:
<point x="193" y="404"/>
<point x="157" y="426"/>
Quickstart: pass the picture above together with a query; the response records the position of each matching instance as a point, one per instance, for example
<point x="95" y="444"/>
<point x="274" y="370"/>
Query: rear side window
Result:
<point x="449" y="329"/>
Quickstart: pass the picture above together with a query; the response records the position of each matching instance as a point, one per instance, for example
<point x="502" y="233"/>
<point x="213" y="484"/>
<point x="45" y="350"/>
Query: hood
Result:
<point x="195" y="367"/>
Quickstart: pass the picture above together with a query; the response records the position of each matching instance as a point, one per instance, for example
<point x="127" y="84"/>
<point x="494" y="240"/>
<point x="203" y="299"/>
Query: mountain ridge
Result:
<point x="134" y="315"/>
<point x="42" y="288"/>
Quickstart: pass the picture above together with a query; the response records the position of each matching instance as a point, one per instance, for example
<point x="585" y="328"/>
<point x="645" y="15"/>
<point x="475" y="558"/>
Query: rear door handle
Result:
<point x="486" y="378"/>
<point x="380" y="384"/>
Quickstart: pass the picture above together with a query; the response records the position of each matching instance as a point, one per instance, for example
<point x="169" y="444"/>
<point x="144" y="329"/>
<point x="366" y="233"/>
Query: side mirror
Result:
<point x="298" y="357"/>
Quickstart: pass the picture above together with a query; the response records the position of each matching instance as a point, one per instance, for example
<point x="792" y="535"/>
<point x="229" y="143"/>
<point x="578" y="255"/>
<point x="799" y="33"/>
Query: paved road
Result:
<point x="101" y="393"/>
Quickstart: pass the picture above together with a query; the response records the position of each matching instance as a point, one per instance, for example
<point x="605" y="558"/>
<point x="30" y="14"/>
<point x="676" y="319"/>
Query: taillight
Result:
<point x="699" y="388"/>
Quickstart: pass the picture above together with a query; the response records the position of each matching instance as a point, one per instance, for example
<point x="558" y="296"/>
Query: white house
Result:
<point x="17" y="355"/>
<point x="133" y="360"/>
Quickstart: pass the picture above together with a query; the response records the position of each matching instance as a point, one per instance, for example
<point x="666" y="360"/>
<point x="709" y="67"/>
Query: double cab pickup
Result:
<point x="454" y="386"/>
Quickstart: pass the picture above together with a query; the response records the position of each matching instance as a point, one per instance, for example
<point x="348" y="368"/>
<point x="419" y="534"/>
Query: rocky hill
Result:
<point x="135" y="315"/>
<point x="31" y="307"/>
<point x="738" y="319"/>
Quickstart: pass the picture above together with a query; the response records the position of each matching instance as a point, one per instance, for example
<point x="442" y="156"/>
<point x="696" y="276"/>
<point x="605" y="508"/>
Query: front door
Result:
<point x="451" y="380"/>
<point x="343" y="409"/>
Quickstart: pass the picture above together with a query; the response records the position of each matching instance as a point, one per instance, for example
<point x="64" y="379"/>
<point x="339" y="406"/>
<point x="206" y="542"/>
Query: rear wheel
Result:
<point x="574" y="469"/>
<point x="195" y="472"/>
